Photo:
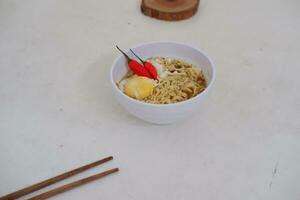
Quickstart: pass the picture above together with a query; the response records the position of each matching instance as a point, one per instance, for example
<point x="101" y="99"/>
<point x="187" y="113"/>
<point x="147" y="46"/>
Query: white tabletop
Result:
<point x="57" y="111"/>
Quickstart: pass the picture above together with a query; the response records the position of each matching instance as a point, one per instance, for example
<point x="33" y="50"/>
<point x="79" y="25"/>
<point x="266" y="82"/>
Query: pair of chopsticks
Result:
<point x="58" y="178"/>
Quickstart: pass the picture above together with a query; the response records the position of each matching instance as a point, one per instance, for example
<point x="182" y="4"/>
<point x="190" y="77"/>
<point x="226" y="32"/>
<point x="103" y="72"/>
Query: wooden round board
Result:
<point x="170" y="10"/>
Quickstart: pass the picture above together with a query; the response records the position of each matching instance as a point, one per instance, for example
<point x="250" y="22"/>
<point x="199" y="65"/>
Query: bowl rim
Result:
<point x="206" y="90"/>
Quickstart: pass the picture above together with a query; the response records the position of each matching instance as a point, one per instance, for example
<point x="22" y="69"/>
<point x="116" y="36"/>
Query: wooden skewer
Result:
<point x="53" y="180"/>
<point x="73" y="185"/>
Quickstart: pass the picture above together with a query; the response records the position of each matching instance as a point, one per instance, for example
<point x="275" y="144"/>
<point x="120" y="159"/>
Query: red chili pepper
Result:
<point x="148" y="66"/>
<point x="135" y="66"/>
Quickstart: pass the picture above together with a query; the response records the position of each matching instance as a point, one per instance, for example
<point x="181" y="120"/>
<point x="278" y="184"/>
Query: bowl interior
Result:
<point x="165" y="49"/>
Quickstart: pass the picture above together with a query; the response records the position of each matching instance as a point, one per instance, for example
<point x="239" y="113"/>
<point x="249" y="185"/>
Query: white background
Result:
<point x="57" y="111"/>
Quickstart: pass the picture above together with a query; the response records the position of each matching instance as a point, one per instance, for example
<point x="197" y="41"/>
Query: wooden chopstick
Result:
<point x="40" y="185"/>
<point x="73" y="185"/>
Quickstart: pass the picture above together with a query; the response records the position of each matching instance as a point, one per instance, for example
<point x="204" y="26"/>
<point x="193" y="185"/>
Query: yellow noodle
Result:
<point x="183" y="82"/>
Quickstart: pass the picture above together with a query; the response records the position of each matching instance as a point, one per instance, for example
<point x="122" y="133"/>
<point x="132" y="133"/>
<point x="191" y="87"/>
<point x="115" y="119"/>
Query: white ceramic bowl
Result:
<point x="163" y="113"/>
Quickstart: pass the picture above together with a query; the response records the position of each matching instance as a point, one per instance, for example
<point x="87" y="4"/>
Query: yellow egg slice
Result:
<point x="138" y="87"/>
